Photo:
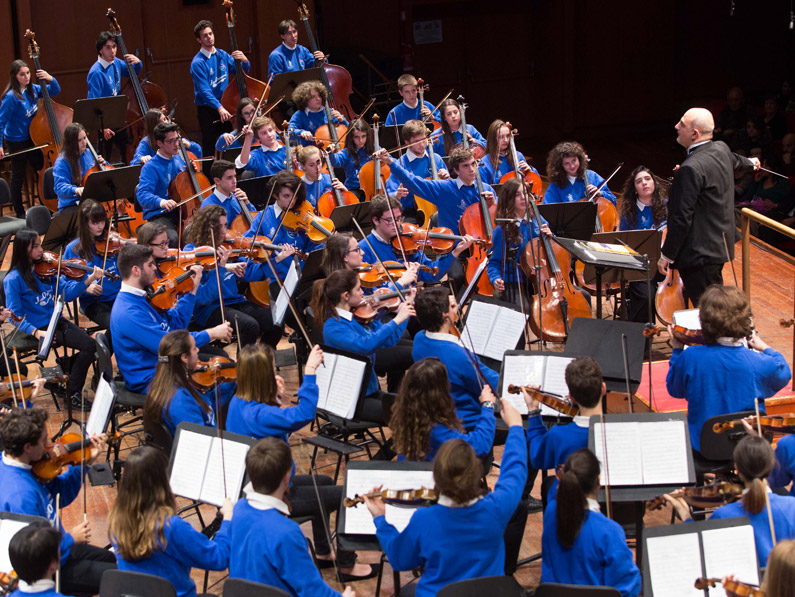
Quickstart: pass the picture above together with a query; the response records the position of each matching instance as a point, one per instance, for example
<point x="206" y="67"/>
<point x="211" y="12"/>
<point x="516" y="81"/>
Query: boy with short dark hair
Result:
<point x="409" y="108"/>
<point x="34" y="554"/>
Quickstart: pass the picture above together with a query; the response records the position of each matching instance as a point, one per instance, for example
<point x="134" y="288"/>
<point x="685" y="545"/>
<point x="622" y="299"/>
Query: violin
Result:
<point x="245" y="86"/>
<point x="164" y="292"/>
<point x="437" y="240"/>
<point x="704" y="497"/>
<point x="303" y="217"/>
<point x="112" y="244"/>
<point x="681" y="333"/>
<point x="783" y="423"/>
<point x="561" y="405"/>
<point x="334" y="197"/>
<point x="374" y="275"/>
<point x="72" y="448"/>
<point x="176" y="259"/>
<point x="74" y="269"/>
<point x="382" y="299"/>
<point x="404" y="498"/>
<point x="732" y="586"/>
<point x="255" y="248"/>
<point x="374" y="174"/>
<point x="209" y="374"/>
<point x="11" y="385"/>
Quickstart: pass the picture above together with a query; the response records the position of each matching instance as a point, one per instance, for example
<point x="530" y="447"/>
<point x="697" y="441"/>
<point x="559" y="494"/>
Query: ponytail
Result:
<point x="579" y="478"/>
<point x="327" y="293"/>
<point x="754" y="459"/>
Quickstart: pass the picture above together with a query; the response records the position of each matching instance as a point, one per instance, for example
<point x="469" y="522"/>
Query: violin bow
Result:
<point x="261" y="216"/>
<point x="220" y="437"/>
<point x="425" y="245"/>
<point x="398" y="231"/>
<point x="284" y="212"/>
<point x="357" y="119"/>
<point x="83" y="456"/>
<point x="607" y="465"/>
<point x="19" y="378"/>
<point x="482" y="381"/>
<point x="8" y="368"/>
<point x="58" y="526"/>
<point x="436" y="107"/>
<point x="218" y="275"/>
<point x="767" y="498"/>
<point x="105" y="256"/>
<point x="730" y="260"/>
<point x="593" y="195"/>
<point x="386" y="271"/>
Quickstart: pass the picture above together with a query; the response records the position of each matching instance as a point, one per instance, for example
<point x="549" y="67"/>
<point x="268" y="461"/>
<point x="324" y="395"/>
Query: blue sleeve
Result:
<point x="275" y="64"/>
<point x="306" y="54"/>
<point x="275" y="421"/>
<point x="784" y="471"/>
<point x="343" y="337"/>
<point x="12" y="285"/>
<point x="513" y="475"/>
<point x="553" y="194"/>
<point x="443" y="262"/>
<point x="196" y="149"/>
<point x="541" y="450"/>
<point x="146" y="188"/>
<point x="5" y="112"/>
<point x="428" y="189"/>
<point x="494" y="268"/>
<point x="480" y="438"/>
<point x="199" y="551"/>
<point x="201" y="84"/>
<point x="94" y="80"/>
<point x="72" y="289"/>
<point x="675" y="381"/>
<point x="296" y="568"/>
<point x="596" y="180"/>
<point x="68" y="485"/>
<point x="390" y="118"/>
<point x="53" y="87"/>
<point x="476" y="135"/>
<point x="775" y="372"/>
<point x="298" y="121"/>
<point x="339" y="158"/>
<point x="140" y="152"/>
<point x="182" y="407"/>
<point x="621" y="571"/>
<point x="62" y="176"/>
<point x="402" y="549"/>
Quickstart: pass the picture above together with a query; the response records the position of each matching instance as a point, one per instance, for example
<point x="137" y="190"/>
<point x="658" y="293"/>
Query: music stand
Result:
<point x="311" y="271"/>
<point x="285" y="83"/>
<point x="230" y="154"/>
<point x="343" y="216"/>
<point x="576" y="219"/>
<point x="256" y="189"/>
<point x="389" y="138"/>
<point x="62" y="230"/>
<point x="108" y="186"/>
<point x="643" y="242"/>
<point x="100" y="113"/>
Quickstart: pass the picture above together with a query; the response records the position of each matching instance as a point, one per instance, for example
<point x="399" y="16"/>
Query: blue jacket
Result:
<point x="49" y="593"/>
<point x="464" y="382"/>
<point x="387" y="253"/>
<point x="599" y="556"/>
<point x="488" y="174"/>
<point x="37" y="306"/>
<point x="576" y="190"/>
<point x="230" y="205"/>
<point x="419" y="167"/>
<point x="343" y="159"/>
<point x="183" y="407"/>
<point x="299" y="240"/>
<point x="463" y="542"/>
<point x="401" y="114"/>
<point x="16" y="114"/>
<point x="145" y="149"/>
<point x="550" y="447"/>
<point x="285" y="60"/>
<point x="137" y="329"/>
<point x="315" y="189"/>
<point x="156" y="175"/>
<point x="110" y="288"/>
<point x="458" y="136"/>
<point x="186" y="548"/>
<point x="495" y="269"/>
<point x="211" y="76"/>
<point x="784" y="472"/>
<point x="105" y="81"/>
<point x="718" y="380"/>
<point x="480" y="438"/>
<point x="306" y="121"/>
<point x="265" y="162"/>
<point x="62" y="176"/>
<point x="645" y="221"/>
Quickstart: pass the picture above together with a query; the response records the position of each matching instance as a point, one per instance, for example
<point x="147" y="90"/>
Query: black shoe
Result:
<point x="79" y="404"/>
<point x="533" y="505"/>
<point x="374" y="570"/>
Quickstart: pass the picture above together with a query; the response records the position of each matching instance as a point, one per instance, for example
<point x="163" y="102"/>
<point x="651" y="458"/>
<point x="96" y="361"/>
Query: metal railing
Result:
<point x="745" y="228"/>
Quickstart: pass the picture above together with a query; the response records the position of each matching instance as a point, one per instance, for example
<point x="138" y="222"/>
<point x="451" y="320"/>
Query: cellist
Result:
<point x="290" y="56"/>
<point x="498" y="160"/>
<point x="409" y="109"/>
<point x="309" y="98"/>
<point x="71" y="166"/>
<point x="567" y="166"/>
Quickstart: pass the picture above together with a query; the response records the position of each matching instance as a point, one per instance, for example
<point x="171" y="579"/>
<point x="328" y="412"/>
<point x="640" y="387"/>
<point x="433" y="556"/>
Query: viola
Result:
<point x="113" y="243"/>
<point x="47" y="126"/>
<point x="531" y="179"/>
<point x="12" y="386"/>
<point x="176" y="259"/>
<point x="382" y="299"/>
<point x="428" y="120"/>
<point x="74" y="269"/>
<point x="164" y="292"/>
<point x="782" y="423"/>
<point x="374" y="174"/>
<point x="561" y="405"/>
<point x="208" y="374"/>
<point x="303" y="218"/>
<point x="406" y="498"/>
<point x="334" y="197"/>
<point x="374" y="275"/>
<point x="255" y="248"/>
<point x="670" y="296"/>
<point x="732" y="586"/>
<point x="681" y="333"/>
<point x="704" y="497"/>
<point x="437" y="240"/>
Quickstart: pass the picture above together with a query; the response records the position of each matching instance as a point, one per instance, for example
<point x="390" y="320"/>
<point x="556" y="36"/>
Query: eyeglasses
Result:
<point x="398" y="219"/>
<point x="162" y="245"/>
<point x="356" y="250"/>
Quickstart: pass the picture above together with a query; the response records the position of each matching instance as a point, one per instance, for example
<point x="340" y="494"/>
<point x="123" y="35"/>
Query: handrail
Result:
<point x="747" y="216"/>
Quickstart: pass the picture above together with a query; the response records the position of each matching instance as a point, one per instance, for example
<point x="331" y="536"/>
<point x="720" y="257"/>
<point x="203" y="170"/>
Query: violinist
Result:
<point x="97" y="300"/>
<point x="104" y="80"/>
<point x="270" y="156"/>
<point x="253" y="322"/>
<point x="780" y="572"/>
<point x="227" y="193"/>
<point x="417" y="161"/>
<point x="357" y="152"/>
<point x="462" y="536"/>
<point x="315" y="180"/>
<point x="754" y="461"/>
<point x="257" y="411"/>
<point x="25" y="442"/>
<point x="18" y="107"/>
<point x="154" y="236"/>
<point x="71" y="166"/>
<point x="147" y="147"/>
<point x="246" y="111"/>
<point x="567" y="168"/>
<point x="290" y="56"/>
<point x="409" y="108"/>
<point x="33" y="553"/>
<point x="784" y="471"/>
<point x="309" y="98"/>
<point x="138" y="327"/>
<point x="451" y="134"/>
<point x="268" y="547"/>
<point x="211" y="70"/>
<point x="32" y="297"/>
<point x="149" y="536"/>
<point x="723" y="376"/>
<point x="581" y="546"/>
<point x="498" y="160"/>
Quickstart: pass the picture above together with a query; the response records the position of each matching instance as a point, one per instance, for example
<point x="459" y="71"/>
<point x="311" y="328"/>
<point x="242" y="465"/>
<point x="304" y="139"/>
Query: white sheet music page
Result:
<point x="8" y="528"/>
<point x="290" y="282"/>
<point x="323" y="378"/>
<point x="522" y="370"/>
<point x="731" y="550"/>
<point x="624" y="466"/>
<point x="400" y="517"/>
<point x="555" y="376"/>
<point x="674" y="565"/>
<point x="190" y="463"/>
<point x="480" y="321"/>
<point x="100" y="409"/>
<point x="345" y="385"/>
<point x="505" y="333"/>
<point x="234" y="462"/>
<point x="664" y="452"/>
<point x="688" y="318"/>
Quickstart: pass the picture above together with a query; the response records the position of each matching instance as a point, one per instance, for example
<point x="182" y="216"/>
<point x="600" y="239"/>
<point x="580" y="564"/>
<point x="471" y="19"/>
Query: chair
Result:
<point x="553" y="589"/>
<point x="715" y="455"/>
<point x="117" y="583"/>
<point x="504" y="586"/>
<point x="8" y="225"/>
<point x="38" y="218"/>
<point x="48" y="185"/>
<point x="237" y="587"/>
<point x="158" y="435"/>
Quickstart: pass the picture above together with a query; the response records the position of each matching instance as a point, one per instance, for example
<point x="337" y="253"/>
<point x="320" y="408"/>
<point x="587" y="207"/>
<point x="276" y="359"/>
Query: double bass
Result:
<point x="245" y="86"/>
<point x="47" y="126"/>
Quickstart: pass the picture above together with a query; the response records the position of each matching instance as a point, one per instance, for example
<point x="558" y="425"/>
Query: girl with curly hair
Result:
<point x="570" y="179"/>
<point x="310" y="98"/>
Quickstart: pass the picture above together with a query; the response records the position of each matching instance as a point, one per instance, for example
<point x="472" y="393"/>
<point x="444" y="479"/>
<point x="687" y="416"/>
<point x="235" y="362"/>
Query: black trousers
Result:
<point x="393" y="362"/>
<point x="82" y="572"/>
<point x="69" y="335"/>
<point x="253" y="321"/>
<point x="18" y="166"/>
<point x="121" y="140"/>
<point x="211" y="130"/>
<point x="638" y="299"/>
<point x="99" y="313"/>
<point x="696" y="279"/>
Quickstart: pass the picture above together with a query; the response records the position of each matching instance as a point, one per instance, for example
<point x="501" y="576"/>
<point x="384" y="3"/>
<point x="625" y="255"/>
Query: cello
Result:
<point x="428" y="120"/>
<point x="245" y="86"/>
<point x="374" y="174"/>
<point x="189" y="187"/>
<point x="670" y="295"/>
<point x="333" y="197"/>
<point x="47" y="125"/>
<point x="531" y="179"/>
<point x="606" y="213"/>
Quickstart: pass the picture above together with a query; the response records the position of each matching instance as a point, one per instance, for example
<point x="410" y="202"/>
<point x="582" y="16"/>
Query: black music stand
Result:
<point x="100" y="113"/>
<point x="389" y="137"/>
<point x="285" y="83"/>
<point x="343" y="216"/>
<point x="108" y="186"/>
<point x="231" y="154"/>
<point x="257" y="190"/>
<point x="62" y="230"/>
<point x="572" y="220"/>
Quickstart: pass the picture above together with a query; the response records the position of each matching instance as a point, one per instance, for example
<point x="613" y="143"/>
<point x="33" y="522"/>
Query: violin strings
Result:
<point x="386" y="271"/>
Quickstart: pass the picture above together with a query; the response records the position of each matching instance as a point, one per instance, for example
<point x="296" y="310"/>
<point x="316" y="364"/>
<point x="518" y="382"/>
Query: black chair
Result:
<point x="38" y="218"/>
<point x="48" y="185"/>
<point x="159" y="435"/>
<point x="504" y="586"/>
<point x="715" y="455"/>
<point x="237" y="587"/>
<point x="117" y="583"/>
<point x="553" y="589"/>
<point x="8" y="225"/>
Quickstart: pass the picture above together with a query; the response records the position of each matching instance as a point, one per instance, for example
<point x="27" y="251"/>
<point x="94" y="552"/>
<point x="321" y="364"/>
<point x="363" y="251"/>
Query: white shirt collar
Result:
<point x="206" y="53"/>
<point x="460" y="183"/>
<point x="289" y="48"/>
<point x="264" y="148"/>
<point x="344" y="314"/>
<point x="132" y="290"/>
<point x="308" y="111"/>
<point x="260" y="501"/>
<point x="571" y="179"/>
<point x="277" y="211"/>
<point x="8" y="461"/>
<point x="379" y="239"/>
<point x="223" y="199"/>
<point x="593" y="505"/>
<point x="443" y="337"/>
<point x="41" y="585"/>
<point x="692" y="147"/>
<point x="103" y="62"/>
<point x="411" y="156"/>
<point x="449" y="503"/>
<point x="725" y="341"/>
<point x="641" y="205"/>
<point x="581" y="421"/>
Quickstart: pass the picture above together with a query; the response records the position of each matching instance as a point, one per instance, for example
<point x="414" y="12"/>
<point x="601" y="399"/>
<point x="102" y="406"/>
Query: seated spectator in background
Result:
<point x="770" y="192"/>
<point x="744" y="184"/>
<point x="732" y="118"/>
<point x="785" y="99"/>
<point x="788" y="154"/>
<point x="753" y="134"/>
<point x="774" y="120"/>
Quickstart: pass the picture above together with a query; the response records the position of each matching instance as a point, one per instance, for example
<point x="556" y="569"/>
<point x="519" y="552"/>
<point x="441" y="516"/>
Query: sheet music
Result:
<point x="624" y="466"/>
<point x="663" y="453"/>
<point x="290" y="282"/>
<point x="234" y="459"/>
<point x="342" y="385"/>
<point x="190" y="461"/>
<point x="555" y="376"/>
<point x="480" y="321"/>
<point x="674" y="565"/>
<point x="323" y="377"/>
<point x="100" y="409"/>
<point x="8" y="528"/>
<point x="44" y="347"/>
<point x="688" y="318"/>
<point x="505" y="333"/>
<point x="522" y="370"/>
<point x="731" y="550"/>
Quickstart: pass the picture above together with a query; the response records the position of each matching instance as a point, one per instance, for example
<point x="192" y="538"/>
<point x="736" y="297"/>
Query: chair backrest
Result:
<point x="48" y="184"/>
<point x="104" y="363"/>
<point x="504" y="586"/>
<point x="158" y="435"/>
<point x="552" y="589"/>
<point x="237" y="587"/>
<point x="5" y="192"/>
<point x="720" y="446"/>
<point x="38" y="218"/>
<point x="118" y="583"/>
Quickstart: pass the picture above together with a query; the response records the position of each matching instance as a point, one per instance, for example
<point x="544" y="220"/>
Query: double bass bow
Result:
<point x="245" y="86"/>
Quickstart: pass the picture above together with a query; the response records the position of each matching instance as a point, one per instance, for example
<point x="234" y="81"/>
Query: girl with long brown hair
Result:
<point x="357" y="151"/>
<point x="570" y="179"/>
<point x="452" y="134"/>
<point x="71" y="166"/>
<point x="498" y="160"/>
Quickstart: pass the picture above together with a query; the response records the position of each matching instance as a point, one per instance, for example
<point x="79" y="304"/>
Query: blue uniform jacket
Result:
<point x="110" y="288"/>
<point x="62" y="177"/>
<point x="16" y="114"/>
<point x="211" y="76"/>
<point x="576" y="190"/>
<point x="105" y="81"/>
<point x="37" y="306"/>
<point x="156" y="175"/>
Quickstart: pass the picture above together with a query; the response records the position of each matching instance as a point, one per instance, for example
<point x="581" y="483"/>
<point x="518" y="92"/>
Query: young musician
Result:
<point x="357" y="152"/>
<point x="33" y="298"/>
<point x="211" y="70"/>
<point x="268" y="547"/>
<point x="269" y="158"/>
<point x="437" y="312"/>
<point x="424" y="417"/>
<point x="461" y="536"/>
<point x="138" y="327"/>
<point x="97" y="300"/>
<point x="780" y="572"/>
<point x="409" y="108"/>
<point x="498" y="160"/>
<point x="315" y="180"/>
<point x="25" y="441"/>
<point x="153" y="235"/>
<point x="417" y="161"/>
<point x="253" y="322"/>
<point x="310" y="97"/>
<point x="104" y="80"/>
<point x="226" y="193"/>
<point x="256" y="411"/>
<point x="149" y="536"/>
<point x="567" y="168"/>
<point x="723" y="376"/>
<point x="147" y="147"/>
<point x="289" y="56"/>
<point x="33" y="553"/>
<point x="784" y="471"/>
<point x="341" y="251"/>
<point x="451" y="134"/>
<point x="246" y="110"/>
<point x="754" y="460"/>
<point x="581" y="545"/>
<point x="71" y="166"/>
<point x="19" y="106"/>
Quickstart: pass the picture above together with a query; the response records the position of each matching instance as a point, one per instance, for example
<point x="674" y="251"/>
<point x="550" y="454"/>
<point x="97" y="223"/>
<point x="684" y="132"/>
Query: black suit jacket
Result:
<point x="701" y="206"/>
